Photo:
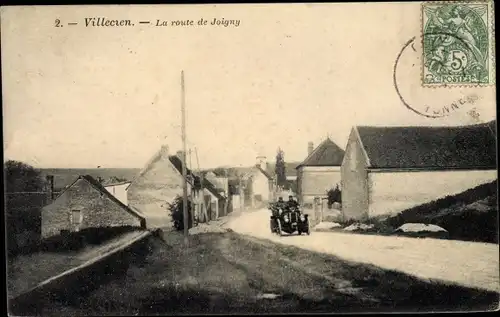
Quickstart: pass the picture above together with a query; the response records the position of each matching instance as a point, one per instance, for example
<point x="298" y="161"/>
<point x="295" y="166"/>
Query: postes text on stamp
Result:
<point x="457" y="43"/>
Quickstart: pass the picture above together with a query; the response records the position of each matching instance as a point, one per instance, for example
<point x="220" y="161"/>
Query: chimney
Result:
<point x="180" y="155"/>
<point x="50" y="186"/>
<point x="261" y="162"/>
<point x="310" y="148"/>
<point x="164" y="150"/>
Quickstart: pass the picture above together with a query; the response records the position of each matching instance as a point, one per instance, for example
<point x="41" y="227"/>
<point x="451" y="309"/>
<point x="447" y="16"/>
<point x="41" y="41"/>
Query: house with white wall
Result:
<point x="389" y="169"/>
<point x="119" y="190"/>
<point x="259" y="183"/>
<point x="319" y="172"/>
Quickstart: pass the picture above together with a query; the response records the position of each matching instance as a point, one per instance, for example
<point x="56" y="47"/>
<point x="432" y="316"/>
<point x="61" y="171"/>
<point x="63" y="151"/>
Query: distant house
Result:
<point x="219" y="181"/>
<point x="119" y="190"/>
<point x="319" y="172"/>
<point x="157" y="185"/>
<point x="389" y="169"/>
<point x="215" y="200"/>
<point x="259" y="183"/>
<point x="86" y="204"/>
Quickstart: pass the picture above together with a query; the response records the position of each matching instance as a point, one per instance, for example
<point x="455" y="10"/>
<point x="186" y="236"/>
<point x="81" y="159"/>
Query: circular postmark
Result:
<point x="437" y="101"/>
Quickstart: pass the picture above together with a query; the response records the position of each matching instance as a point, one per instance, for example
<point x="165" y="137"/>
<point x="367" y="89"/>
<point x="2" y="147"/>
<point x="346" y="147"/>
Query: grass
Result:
<point x="26" y="271"/>
<point x="224" y="273"/>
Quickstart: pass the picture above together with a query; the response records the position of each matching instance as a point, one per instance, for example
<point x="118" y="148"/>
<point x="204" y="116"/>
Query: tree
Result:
<point x="334" y="196"/>
<point x="21" y="177"/>
<point x="24" y="199"/>
<point x="177" y="213"/>
<point x="280" y="169"/>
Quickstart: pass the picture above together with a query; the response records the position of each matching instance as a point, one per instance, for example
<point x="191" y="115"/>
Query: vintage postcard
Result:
<point x="250" y="158"/>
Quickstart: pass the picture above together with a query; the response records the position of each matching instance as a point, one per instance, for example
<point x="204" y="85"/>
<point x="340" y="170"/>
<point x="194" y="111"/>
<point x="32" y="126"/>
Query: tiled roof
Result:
<point x="210" y="187"/>
<point x="268" y="175"/>
<point x="326" y="154"/>
<point x="177" y="162"/>
<point x="463" y="147"/>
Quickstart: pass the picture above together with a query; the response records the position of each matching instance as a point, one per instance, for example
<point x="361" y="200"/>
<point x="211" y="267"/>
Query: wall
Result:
<point x="212" y="204"/>
<point x="150" y="192"/>
<point x="260" y="186"/>
<point x="97" y="210"/>
<point x="391" y="193"/>
<point x="235" y="199"/>
<point x="316" y="180"/>
<point x="119" y="191"/>
<point x="354" y="180"/>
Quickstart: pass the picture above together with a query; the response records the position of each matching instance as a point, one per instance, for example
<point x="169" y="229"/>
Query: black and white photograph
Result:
<point x="250" y="158"/>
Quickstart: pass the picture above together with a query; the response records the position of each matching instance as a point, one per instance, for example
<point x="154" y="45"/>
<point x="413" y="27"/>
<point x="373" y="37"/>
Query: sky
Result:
<point x="76" y="96"/>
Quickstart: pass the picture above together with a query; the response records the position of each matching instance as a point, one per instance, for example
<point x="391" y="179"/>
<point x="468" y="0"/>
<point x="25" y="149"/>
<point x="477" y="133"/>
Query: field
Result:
<point x="65" y="176"/>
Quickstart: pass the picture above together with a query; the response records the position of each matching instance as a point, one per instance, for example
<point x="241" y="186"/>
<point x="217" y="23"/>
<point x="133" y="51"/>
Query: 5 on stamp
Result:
<point x="457" y="43"/>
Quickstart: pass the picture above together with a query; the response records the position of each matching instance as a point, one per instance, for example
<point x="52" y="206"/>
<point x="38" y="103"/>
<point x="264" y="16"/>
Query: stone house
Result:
<point x="389" y="169"/>
<point x="157" y="185"/>
<point x="86" y="204"/>
<point x="160" y="181"/>
<point x="319" y="172"/>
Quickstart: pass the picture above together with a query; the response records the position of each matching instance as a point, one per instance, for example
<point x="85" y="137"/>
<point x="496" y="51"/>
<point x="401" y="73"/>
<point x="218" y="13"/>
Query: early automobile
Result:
<point x="290" y="220"/>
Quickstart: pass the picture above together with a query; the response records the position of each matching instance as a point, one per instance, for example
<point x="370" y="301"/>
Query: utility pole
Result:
<point x="190" y="161"/>
<point x="184" y="171"/>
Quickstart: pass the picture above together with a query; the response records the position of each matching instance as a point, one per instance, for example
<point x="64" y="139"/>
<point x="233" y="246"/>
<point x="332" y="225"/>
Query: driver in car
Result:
<point x="281" y="204"/>
<point x="292" y="203"/>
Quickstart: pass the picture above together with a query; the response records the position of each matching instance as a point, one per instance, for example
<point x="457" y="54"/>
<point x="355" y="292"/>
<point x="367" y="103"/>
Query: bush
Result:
<point x="334" y="196"/>
<point x="177" y="213"/>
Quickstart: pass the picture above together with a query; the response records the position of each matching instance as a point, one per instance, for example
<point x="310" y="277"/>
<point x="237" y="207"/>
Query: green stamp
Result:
<point x="457" y="43"/>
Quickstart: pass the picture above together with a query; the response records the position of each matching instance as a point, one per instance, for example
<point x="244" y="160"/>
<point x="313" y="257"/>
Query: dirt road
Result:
<point x="231" y="273"/>
<point x="464" y="263"/>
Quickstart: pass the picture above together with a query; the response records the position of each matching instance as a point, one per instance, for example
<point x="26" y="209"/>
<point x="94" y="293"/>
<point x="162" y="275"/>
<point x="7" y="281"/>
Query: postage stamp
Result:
<point x="458" y="43"/>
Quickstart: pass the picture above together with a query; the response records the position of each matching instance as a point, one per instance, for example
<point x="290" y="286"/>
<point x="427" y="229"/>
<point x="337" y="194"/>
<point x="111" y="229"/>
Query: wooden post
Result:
<point x="184" y="171"/>
<point x="242" y="194"/>
<point x="184" y="161"/>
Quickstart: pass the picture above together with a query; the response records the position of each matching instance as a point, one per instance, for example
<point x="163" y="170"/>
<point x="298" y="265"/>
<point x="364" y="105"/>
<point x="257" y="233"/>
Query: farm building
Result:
<point x="389" y="169"/>
<point x="119" y="190"/>
<point x="86" y="204"/>
<point x="319" y="172"/>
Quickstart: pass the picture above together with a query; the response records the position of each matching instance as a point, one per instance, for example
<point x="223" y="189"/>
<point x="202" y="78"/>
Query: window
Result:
<point x="76" y="217"/>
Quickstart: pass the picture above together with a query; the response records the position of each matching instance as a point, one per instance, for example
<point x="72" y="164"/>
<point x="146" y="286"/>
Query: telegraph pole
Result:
<point x="184" y="161"/>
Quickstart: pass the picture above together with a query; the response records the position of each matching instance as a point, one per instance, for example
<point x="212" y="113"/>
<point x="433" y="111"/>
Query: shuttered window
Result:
<point x="76" y="217"/>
